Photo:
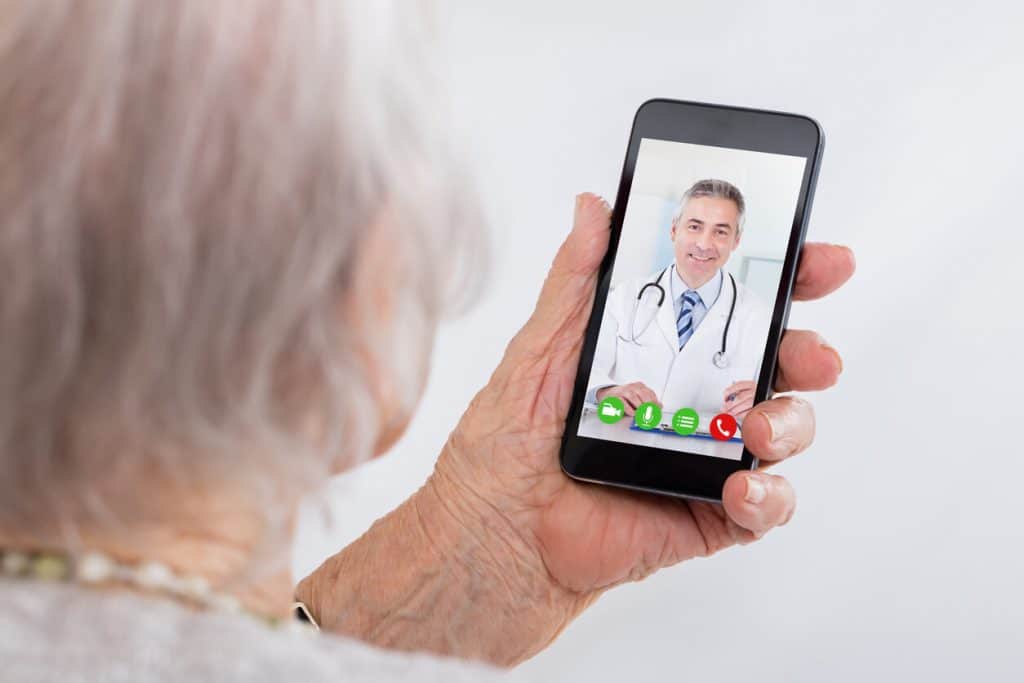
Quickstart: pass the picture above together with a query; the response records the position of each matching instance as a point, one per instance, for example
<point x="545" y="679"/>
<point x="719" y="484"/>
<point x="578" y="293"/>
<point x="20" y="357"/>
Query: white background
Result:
<point x="904" y="561"/>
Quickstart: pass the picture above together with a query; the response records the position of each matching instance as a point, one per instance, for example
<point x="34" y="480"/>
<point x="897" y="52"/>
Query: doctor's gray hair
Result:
<point x="719" y="189"/>
<point x="186" y="191"/>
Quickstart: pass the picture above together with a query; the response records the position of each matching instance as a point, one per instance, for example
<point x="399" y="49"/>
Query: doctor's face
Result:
<point x="704" y="237"/>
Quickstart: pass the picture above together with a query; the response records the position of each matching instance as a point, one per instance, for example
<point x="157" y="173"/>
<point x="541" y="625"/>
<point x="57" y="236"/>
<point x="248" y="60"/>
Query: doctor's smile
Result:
<point x="707" y="232"/>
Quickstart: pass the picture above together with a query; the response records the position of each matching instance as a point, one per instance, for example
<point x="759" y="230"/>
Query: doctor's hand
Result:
<point x="632" y="395"/>
<point x="500" y="550"/>
<point x="738" y="398"/>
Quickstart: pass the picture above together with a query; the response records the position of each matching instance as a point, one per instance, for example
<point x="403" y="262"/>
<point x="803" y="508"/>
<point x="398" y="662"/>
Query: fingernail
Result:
<point x="839" y="359"/>
<point x="756" y="490"/>
<point x="853" y="258"/>
<point x="775" y="427"/>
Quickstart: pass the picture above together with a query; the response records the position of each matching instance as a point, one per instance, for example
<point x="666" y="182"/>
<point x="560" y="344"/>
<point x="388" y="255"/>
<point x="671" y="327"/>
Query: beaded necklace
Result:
<point x="96" y="569"/>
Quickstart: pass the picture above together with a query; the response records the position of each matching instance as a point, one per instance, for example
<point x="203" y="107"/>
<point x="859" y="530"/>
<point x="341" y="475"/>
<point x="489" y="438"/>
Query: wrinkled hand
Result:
<point x="632" y="395"/>
<point x="738" y="398"/>
<point x="500" y="469"/>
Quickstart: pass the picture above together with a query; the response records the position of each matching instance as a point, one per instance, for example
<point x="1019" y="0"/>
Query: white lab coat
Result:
<point x="686" y="378"/>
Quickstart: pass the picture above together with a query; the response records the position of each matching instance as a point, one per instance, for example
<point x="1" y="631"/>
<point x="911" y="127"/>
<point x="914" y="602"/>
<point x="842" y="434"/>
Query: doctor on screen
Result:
<point x="688" y="335"/>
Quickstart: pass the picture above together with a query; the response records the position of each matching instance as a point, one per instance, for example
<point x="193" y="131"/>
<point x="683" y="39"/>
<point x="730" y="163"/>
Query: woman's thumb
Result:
<point x="584" y="248"/>
<point x="569" y="288"/>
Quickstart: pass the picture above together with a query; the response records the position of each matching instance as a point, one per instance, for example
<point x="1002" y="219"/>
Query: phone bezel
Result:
<point x="663" y="471"/>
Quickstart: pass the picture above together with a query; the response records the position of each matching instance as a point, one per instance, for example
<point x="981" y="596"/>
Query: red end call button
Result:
<point x="723" y="427"/>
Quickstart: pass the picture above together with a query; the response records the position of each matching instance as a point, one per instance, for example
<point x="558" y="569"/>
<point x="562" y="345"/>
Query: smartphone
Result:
<point x="693" y="296"/>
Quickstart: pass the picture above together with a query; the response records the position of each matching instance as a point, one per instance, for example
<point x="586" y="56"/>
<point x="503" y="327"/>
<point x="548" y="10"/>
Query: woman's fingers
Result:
<point x="777" y="429"/>
<point x="758" y="501"/>
<point x="806" y="362"/>
<point x="823" y="269"/>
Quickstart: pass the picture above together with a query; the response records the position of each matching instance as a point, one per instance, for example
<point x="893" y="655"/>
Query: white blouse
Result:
<point x="67" y="633"/>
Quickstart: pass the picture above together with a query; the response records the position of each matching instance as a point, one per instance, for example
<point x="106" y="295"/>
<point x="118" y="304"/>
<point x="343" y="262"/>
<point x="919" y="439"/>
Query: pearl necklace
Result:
<point x="95" y="569"/>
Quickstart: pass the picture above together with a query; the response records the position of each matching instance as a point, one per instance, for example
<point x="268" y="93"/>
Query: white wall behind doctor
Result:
<point x="904" y="559"/>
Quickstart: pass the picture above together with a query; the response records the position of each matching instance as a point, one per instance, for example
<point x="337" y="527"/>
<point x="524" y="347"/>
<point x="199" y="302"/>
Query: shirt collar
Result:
<point x="708" y="292"/>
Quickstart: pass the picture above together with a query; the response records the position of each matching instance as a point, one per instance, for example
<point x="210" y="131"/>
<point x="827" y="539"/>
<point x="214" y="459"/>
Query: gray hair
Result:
<point x="719" y="189"/>
<point x="185" y="191"/>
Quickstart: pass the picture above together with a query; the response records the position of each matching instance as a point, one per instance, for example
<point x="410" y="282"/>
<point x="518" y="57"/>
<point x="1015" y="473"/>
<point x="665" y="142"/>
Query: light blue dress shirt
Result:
<point x="708" y="292"/>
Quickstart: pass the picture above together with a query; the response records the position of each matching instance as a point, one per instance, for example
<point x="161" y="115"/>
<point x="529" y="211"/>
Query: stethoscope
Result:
<point x="719" y="359"/>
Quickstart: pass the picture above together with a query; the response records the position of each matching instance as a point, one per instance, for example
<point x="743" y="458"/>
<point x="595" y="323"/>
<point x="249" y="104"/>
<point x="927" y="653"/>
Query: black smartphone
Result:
<point x="693" y="296"/>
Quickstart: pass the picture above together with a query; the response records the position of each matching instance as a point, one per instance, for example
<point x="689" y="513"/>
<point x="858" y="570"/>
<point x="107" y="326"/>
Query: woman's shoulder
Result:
<point x="59" y="632"/>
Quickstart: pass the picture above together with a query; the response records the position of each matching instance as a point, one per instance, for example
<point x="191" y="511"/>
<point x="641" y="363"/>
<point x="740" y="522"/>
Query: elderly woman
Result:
<point x="198" y="202"/>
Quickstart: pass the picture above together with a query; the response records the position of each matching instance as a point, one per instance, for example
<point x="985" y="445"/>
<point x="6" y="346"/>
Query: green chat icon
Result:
<point x="685" y="421"/>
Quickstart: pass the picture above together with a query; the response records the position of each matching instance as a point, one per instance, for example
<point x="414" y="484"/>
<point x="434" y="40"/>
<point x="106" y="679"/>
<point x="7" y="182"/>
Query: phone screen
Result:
<point x="694" y="283"/>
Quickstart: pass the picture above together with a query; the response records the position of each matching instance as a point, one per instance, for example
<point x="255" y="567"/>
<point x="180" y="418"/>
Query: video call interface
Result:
<point x="693" y="287"/>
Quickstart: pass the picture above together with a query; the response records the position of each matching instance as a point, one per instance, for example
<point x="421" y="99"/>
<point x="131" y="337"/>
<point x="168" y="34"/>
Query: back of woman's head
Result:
<point x="186" y="190"/>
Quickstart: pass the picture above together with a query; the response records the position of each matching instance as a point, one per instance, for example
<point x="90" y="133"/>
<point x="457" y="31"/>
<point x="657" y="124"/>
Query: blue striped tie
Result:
<point x="684" y="324"/>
